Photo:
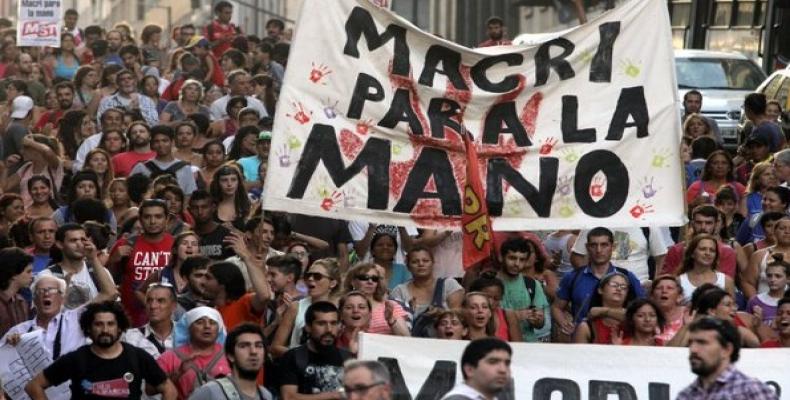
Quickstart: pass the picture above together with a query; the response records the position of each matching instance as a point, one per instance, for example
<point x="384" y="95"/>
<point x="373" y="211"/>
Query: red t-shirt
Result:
<point x="145" y="259"/>
<point x="236" y="312"/>
<point x="769" y="344"/>
<point x="52" y="117"/>
<point x="123" y="163"/>
<point x="218" y="31"/>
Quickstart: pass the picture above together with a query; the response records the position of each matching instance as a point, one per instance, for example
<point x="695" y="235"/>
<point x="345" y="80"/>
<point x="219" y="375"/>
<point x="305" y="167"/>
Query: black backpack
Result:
<point x="423" y="324"/>
<point x="171" y="170"/>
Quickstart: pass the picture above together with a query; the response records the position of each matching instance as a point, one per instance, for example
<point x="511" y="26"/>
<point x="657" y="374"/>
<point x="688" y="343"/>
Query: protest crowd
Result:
<point x="132" y="234"/>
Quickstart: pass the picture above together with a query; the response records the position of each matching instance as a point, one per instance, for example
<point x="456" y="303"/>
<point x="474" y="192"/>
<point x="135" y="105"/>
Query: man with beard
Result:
<point x="703" y="220"/>
<point x="197" y="355"/>
<point x="314" y="371"/>
<point x="522" y="294"/>
<point x="485" y="366"/>
<point x="114" y="43"/>
<point x="135" y="258"/>
<point x="107" y="367"/>
<point x="80" y="267"/>
<point x="203" y="209"/>
<point x="48" y="122"/>
<point x="495" y="29"/>
<point x="246" y="354"/>
<point x="24" y="70"/>
<point x="139" y="151"/>
<point x="714" y="347"/>
<point x="128" y="98"/>
<point x="111" y="120"/>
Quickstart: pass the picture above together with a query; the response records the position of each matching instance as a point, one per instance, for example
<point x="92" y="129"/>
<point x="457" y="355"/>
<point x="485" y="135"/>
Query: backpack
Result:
<point x="171" y="170"/>
<point x="201" y="375"/>
<point x="423" y="324"/>
<point x="531" y="285"/>
<point x="57" y="271"/>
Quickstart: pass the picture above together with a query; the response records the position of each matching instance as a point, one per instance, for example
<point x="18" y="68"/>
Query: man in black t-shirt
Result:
<point x="107" y="368"/>
<point x="315" y="370"/>
<point x="212" y="234"/>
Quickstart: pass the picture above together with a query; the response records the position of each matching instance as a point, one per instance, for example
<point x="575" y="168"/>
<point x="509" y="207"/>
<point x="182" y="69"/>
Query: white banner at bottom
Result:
<point x="426" y="369"/>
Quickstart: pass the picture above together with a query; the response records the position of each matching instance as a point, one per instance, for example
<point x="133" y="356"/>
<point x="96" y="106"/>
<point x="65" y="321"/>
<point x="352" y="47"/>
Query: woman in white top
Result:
<point x="323" y="284"/>
<point x="699" y="266"/>
<point x="754" y="278"/>
<point x="420" y="291"/>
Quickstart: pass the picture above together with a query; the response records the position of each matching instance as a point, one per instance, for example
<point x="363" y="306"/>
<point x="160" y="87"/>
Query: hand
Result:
<point x="757" y="318"/>
<point x="535" y="317"/>
<point x="353" y="342"/>
<point x="689" y="317"/>
<point x="389" y="310"/>
<point x="617" y="337"/>
<point x="285" y="302"/>
<point x="237" y="242"/>
<point x="12" y="160"/>
<point x="124" y="251"/>
<point x="90" y="249"/>
<point x="13" y="339"/>
<point x="567" y="326"/>
<point x="47" y="130"/>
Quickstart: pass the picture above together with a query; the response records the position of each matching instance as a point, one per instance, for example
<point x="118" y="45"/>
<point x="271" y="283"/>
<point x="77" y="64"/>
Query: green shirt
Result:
<point x="516" y="297"/>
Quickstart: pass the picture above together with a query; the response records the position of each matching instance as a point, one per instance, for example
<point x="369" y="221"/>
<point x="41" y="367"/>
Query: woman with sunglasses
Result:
<point x="700" y="262"/>
<point x="421" y="291"/>
<point x="611" y="297"/>
<point x="355" y="313"/>
<point x="323" y="284"/>
<point x="479" y="316"/>
<point x="387" y="316"/>
<point x="185" y="244"/>
<point x="382" y="248"/>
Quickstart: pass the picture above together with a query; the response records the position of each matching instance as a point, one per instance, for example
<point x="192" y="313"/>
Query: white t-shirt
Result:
<point x="82" y="282"/>
<point x="630" y="248"/>
<point x="90" y="143"/>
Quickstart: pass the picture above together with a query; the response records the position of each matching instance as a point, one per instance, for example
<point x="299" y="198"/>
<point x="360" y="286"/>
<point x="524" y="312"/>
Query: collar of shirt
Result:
<point x="588" y="270"/>
<point x="720" y="380"/>
<point x="465" y="390"/>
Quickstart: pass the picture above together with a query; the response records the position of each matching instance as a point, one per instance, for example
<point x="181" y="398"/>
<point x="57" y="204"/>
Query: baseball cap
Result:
<point x="196" y="40"/>
<point x="265" y="135"/>
<point x="21" y="107"/>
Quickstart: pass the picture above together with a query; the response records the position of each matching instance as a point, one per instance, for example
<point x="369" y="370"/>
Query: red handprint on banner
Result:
<point x="330" y="202"/>
<point x="597" y="186"/>
<point x="640" y="209"/>
<point x="300" y="115"/>
<point x="363" y="127"/>
<point x="319" y="72"/>
<point x="547" y="145"/>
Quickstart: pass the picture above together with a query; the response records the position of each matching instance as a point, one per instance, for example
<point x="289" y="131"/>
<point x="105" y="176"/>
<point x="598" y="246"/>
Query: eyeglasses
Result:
<point x="47" y="290"/>
<point x="368" y="278"/>
<point x="316" y="276"/>
<point x="361" y="389"/>
<point x="615" y="285"/>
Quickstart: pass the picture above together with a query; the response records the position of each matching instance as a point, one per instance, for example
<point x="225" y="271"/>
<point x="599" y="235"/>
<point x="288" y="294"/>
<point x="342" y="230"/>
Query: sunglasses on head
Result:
<point x="368" y="278"/>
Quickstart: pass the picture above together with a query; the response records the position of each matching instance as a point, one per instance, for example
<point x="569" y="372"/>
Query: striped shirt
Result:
<point x="729" y="385"/>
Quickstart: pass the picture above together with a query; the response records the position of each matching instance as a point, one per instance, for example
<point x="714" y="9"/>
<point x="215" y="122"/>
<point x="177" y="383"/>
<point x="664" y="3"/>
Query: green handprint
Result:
<point x="570" y="155"/>
<point x="294" y="142"/>
<point x="630" y="68"/>
<point x="396" y="149"/>
<point x="567" y="210"/>
<point x="661" y="158"/>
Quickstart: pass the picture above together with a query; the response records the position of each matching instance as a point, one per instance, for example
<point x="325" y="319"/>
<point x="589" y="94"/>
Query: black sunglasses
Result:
<point x="369" y="278"/>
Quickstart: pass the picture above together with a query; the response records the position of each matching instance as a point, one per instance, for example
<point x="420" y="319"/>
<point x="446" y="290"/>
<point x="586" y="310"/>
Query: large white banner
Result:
<point x="572" y="132"/>
<point x="425" y="369"/>
<point x="39" y="22"/>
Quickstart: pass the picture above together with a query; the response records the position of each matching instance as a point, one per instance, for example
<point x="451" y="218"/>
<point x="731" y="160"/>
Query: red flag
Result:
<point x="475" y="222"/>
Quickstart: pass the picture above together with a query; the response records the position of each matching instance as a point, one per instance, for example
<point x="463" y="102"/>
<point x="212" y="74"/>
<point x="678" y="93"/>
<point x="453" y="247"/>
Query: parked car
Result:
<point x="724" y="79"/>
<point x="777" y="87"/>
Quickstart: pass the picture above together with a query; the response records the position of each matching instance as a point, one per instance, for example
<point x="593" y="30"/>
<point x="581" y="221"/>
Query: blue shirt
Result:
<point x="400" y="274"/>
<point x="585" y="286"/>
<point x="249" y="166"/>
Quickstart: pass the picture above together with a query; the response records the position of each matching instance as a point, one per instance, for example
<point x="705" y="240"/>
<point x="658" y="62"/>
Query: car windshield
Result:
<point x="714" y="73"/>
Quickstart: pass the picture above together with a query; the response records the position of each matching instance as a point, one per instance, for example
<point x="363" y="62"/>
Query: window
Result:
<point x="680" y="14"/>
<point x="773" y="86"/>
<point x="745" y="14"/>
<point x="713" y="73"/>
<point x="782" y="95"/>
<point x="722" y="13"/>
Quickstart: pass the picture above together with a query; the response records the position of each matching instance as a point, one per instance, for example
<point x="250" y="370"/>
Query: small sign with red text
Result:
<point x="39" y="23"/>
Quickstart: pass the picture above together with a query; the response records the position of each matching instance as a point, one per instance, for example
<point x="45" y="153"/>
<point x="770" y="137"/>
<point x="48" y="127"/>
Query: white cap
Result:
<point x="21" y="107"/>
